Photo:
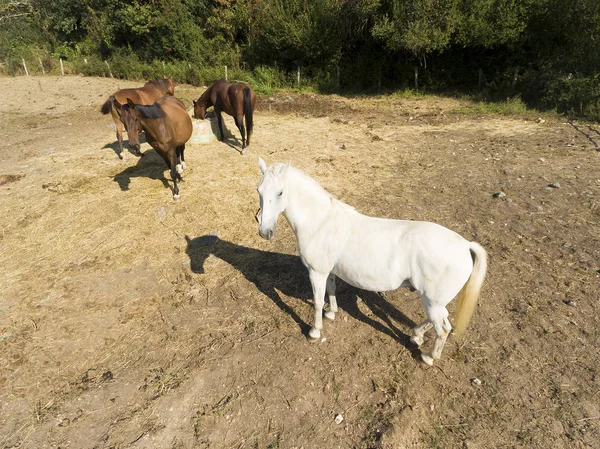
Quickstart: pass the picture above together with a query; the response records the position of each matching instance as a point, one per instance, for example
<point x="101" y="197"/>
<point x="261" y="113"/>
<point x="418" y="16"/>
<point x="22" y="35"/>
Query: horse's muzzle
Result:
<point x="266" y="235"/>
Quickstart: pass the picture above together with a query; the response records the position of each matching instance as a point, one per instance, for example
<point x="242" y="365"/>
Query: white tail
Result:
<point x="469" y="294"/>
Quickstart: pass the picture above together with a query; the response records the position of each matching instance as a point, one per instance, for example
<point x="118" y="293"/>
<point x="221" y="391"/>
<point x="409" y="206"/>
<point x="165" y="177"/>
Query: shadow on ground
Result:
<point x="272" y="272"/>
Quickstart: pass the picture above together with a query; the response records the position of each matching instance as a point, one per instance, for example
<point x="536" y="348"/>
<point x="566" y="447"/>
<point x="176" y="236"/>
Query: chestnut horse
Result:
<point x="147" y="94"/>
<point x="235" y="99"/>
<point x="168" y="127"/>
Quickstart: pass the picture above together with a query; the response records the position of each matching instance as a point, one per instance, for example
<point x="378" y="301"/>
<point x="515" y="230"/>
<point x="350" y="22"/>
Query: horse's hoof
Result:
<point x="176" y="196"/>
<point x="330" y="315"/>
<point x="427" y="359"/>
<point x="179" y="168"/>
<point x="314" y="335"/>
<point x="121" y="156"/>
<point x="417" y="340"/>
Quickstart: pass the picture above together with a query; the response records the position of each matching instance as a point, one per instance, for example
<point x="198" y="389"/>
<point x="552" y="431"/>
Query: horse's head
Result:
<point x="273" y="197"/>
<point x="130" y="118"/>
<point x="169" y="86"/>
<point x="199" y="109"/>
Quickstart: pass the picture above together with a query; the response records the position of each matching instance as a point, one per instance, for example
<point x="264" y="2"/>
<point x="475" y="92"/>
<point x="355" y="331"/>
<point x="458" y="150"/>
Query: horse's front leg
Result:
<point x="120" y="140"/>
<point x="330" y="287"/>
<point x="318" y="282"/>
<point x="220" y="123"/>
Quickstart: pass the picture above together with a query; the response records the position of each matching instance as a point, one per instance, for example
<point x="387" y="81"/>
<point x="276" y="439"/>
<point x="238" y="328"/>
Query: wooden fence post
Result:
<point x="480" y="79"/>
<point x="515" y="77"/>
<point x="25" y="67"/>
<point x="416" y="78"/>
<point x="62" y="68"/>
<point x="337" y="79"/>
<point x="298" y="76"/>
<point x="42" y="66"/>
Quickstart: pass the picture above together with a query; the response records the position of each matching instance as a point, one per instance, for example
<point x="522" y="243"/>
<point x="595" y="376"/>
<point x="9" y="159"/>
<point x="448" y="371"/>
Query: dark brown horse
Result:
<point x="168" y="127"/>
<point x="235" y="99"/>
<point x="147" y="94"/>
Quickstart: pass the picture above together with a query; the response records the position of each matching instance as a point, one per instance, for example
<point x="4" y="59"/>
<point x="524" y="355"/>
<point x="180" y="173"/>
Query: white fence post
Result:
<point x="25" y="67"/>
<point x="298" y="76"/>
<point x="226" y="74"/>
<point x="62" y="68"/>
<point x="42" y="66"/>
<point x="109" y="72"/>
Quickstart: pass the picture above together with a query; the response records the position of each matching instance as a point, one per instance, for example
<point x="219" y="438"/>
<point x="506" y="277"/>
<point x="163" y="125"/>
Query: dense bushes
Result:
<point x="545" y="51"/>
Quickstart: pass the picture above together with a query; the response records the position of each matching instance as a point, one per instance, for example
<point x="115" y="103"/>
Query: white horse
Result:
<point x="373" y="254"/>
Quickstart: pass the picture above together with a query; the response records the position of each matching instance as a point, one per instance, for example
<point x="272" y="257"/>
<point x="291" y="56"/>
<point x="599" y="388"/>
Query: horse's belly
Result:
<point x="370" y="275"/>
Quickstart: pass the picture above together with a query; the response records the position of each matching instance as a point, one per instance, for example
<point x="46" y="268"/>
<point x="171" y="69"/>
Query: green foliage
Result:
<point x="511" y="106"/>
<point x="575" y="96"/>
<point x="375" y="44"/>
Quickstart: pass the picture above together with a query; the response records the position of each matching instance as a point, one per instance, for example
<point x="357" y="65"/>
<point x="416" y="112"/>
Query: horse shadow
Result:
<point x="149" y="165"/>
<point x="228" y="137"/>
<point x="115" y="145"/>
<point x="272" y="272"/>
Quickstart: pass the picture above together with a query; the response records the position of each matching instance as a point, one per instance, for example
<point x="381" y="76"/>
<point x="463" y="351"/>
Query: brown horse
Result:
<point x="168" y="127"/>
<point x="235" y="99"/>
<point x="148" y="94"/>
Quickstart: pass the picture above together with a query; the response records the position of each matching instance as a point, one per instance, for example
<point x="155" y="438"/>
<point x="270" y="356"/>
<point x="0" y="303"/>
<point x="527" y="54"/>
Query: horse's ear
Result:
<point x="284" y="169"/>
<point x="262" y="165"/>
<point x="130" y="103"/>
<point x="194" y="101"/>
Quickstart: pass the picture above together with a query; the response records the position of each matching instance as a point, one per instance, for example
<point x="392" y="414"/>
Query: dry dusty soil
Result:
<point x="130" y="320"/>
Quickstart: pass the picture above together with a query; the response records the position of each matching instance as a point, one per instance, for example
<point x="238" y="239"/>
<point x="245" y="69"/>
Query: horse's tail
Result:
<point x="106" y="107"/>
<point x="248" y="109"/>
<point x="467" y="297"/>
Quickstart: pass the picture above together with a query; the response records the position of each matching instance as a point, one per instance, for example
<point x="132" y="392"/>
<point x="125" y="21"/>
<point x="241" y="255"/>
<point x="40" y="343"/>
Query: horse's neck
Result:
<point x="205" y="98"/>
<point x="308" y="203"/>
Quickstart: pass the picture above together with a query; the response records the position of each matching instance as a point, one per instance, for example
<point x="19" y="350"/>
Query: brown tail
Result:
<point x="248" y="110"/>
<point x="105" y="109"/>
<point x="468" y="296"/>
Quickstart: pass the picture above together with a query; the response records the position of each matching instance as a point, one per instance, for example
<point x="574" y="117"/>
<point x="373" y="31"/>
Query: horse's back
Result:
<point x="380" y="254"/>
<point x="176" y="112"/>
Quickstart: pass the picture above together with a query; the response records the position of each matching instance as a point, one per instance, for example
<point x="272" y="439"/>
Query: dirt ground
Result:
<point x="130" y="320"/>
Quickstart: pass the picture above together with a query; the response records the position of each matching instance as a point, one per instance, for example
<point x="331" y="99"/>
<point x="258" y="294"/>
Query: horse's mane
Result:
<point x="313" y="184"/>
<point x="161" y="84"/>
<point x="151" y="111"/>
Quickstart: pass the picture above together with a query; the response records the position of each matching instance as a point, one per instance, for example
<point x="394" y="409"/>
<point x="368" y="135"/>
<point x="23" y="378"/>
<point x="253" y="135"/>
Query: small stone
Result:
<point x="432" y="407"/>
<point x="343" y="147"/>
<point x="323" y="340"/>
<point x="475" y="381"/>
<point x="540" y="120"/>
<point x="554" y="185"/>
<point x="570" y="302"/>
<point x="339" y="418"/>
<point x="499" y="195"/>
<point x="542" y="159"/>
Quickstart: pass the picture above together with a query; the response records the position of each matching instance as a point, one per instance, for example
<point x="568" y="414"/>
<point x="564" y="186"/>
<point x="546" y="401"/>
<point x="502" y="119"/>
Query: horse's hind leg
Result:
<point x="441" y="325"/>
<point x="239" y="122"/>
<point x="174" y="174"/>
<point x="419" y="331"/>
<point x="318" y="282"/>
<point x="330" y="287"/>
<point x="180" y="163"/>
